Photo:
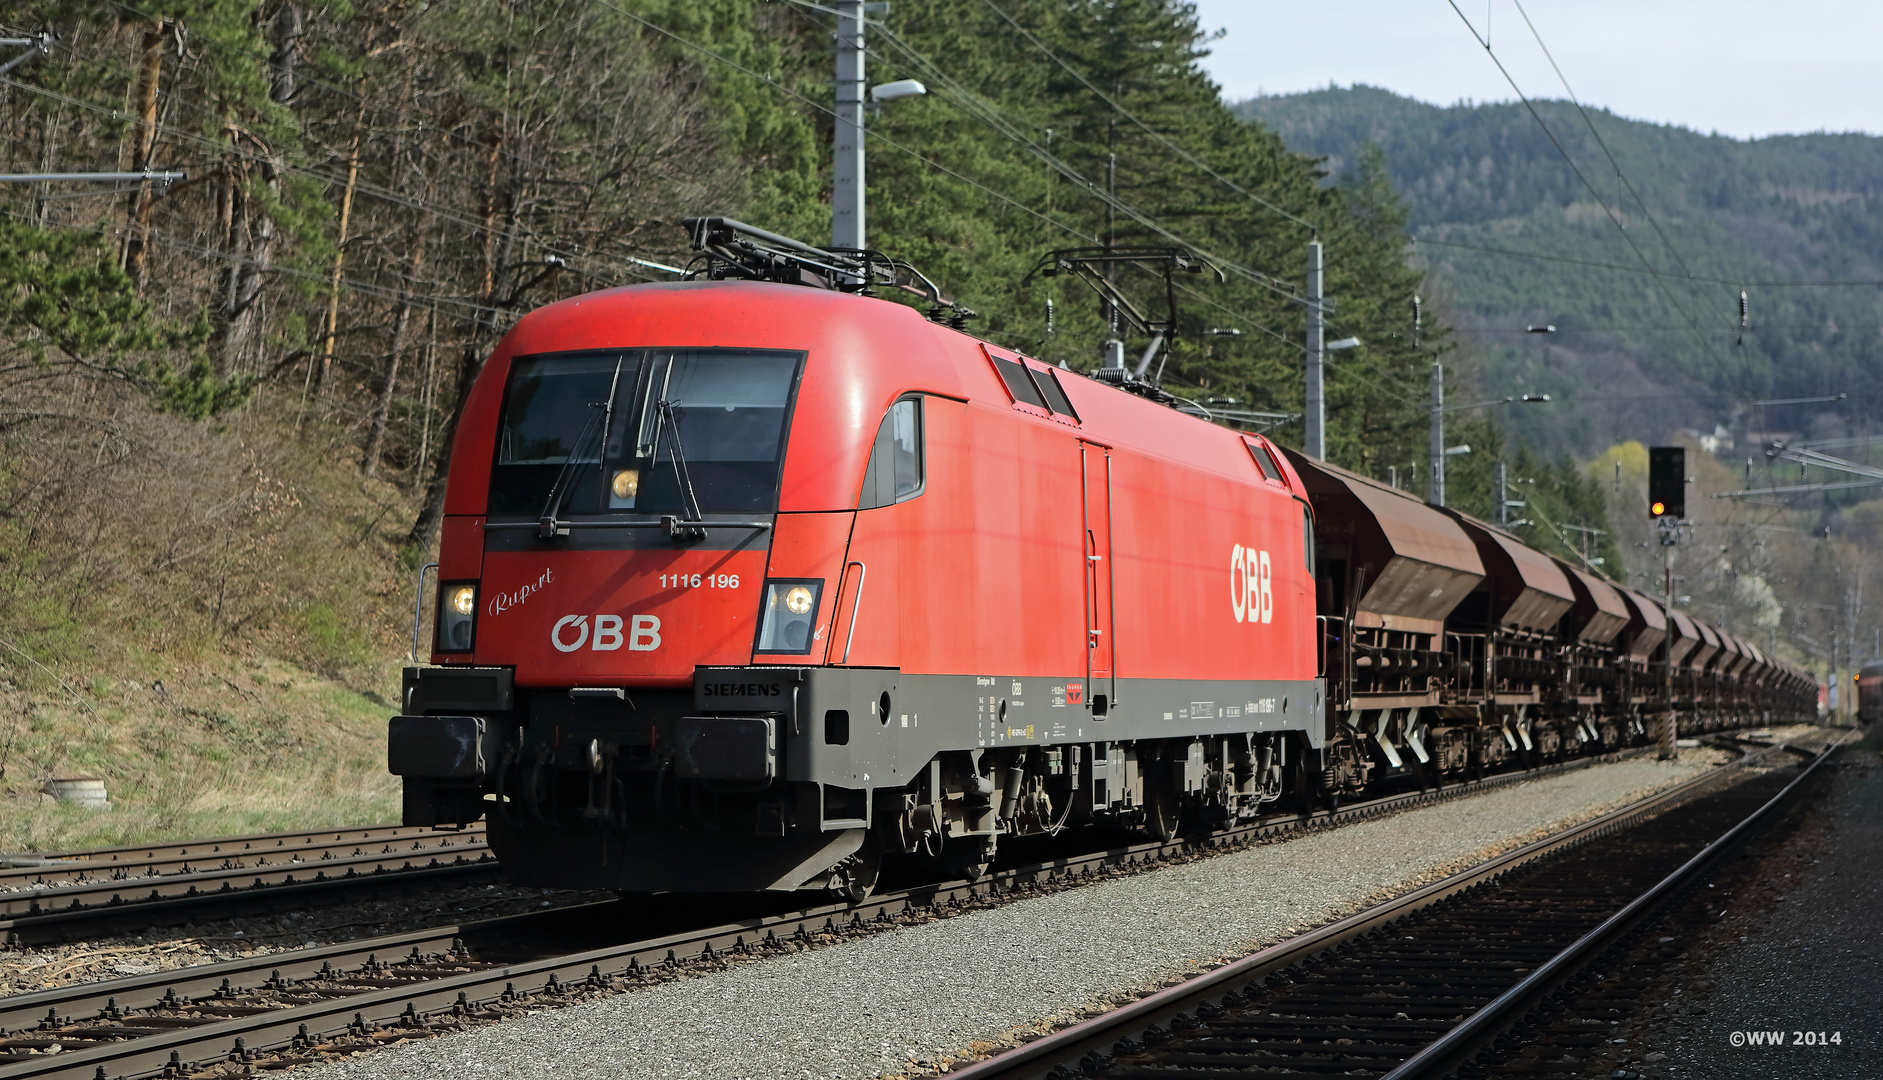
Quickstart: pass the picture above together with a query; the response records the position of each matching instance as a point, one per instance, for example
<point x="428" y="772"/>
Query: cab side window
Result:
<point x="895" y="471"/>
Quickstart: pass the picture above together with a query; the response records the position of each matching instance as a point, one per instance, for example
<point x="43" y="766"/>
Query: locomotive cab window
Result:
<point x="1307" y="537"/>
<point x="624" y="431"/>
<point x="895" y="470"/>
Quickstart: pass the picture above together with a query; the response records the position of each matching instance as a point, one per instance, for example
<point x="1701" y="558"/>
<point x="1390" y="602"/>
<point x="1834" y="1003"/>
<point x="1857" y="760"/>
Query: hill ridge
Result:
<point x="1780" y="208"/>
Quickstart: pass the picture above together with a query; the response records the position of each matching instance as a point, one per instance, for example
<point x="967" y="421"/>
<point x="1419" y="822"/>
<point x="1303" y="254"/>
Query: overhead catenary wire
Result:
<point x="256" y="156"/>
<point x="794" y="95"/>
<point x="1622" y="268"/>
<point x="1152" y="132"/>
<point x="971" y="103"/>
<point x="991" y="117"/>
<point x="941" y="76"/>
<point x="1272" y="283"/>
<point x="1599" y="141"/>
<point x="1584" y="180"/>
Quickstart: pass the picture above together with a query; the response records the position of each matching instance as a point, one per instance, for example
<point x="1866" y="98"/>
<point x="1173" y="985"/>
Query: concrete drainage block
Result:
<point x="87" y="792"/>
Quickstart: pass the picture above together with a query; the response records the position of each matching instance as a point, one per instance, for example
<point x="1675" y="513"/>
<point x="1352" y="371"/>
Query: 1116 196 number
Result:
<point x="698" y="581"/>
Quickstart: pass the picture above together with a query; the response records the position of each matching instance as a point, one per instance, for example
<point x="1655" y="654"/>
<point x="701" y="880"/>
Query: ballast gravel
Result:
<point x="917" y="999"/>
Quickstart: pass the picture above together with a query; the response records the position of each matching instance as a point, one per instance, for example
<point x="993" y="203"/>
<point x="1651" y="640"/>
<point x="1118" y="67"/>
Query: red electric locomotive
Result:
<point x="744" y="585"/>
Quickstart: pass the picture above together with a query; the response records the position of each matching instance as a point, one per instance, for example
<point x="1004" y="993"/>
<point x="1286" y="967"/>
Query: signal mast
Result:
<point x="1667" y="507"/>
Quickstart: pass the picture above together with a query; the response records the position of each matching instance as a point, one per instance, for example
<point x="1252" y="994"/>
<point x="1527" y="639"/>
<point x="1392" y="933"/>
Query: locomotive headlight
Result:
<point x="624" y="486"/>
<point x="463" y="599"/>
<point x="457" y="616"/>
<point x="788" y="621"/>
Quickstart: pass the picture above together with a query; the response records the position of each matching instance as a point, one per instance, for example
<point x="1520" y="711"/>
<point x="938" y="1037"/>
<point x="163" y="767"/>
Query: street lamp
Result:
<point x="1438" y="450"/>
<point x="896" y="91"/>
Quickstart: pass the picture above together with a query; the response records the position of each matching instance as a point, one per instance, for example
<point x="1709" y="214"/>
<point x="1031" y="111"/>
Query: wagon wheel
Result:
<point x="1163" y="806"/>
<point x="855" y="878"/>
<point x="968" y="857"/>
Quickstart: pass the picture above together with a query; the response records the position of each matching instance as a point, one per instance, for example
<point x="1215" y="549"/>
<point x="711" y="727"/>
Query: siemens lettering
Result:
<point x="741" y="690"/>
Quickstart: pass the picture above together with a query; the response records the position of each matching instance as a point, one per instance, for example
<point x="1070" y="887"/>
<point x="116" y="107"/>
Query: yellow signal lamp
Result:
<point x="1658" y="509"/>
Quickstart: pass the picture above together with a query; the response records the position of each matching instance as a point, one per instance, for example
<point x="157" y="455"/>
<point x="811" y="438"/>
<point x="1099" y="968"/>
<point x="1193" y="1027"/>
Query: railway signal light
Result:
<point x="1667" y="482"/>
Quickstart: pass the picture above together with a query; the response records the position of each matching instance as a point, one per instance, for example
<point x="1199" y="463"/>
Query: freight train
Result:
<point x="751" y="581"/>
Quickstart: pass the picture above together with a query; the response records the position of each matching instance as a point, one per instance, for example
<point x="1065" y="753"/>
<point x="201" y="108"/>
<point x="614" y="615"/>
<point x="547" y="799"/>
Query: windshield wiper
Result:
<point x="691" y="526"/>
<point x="547" y="525"/>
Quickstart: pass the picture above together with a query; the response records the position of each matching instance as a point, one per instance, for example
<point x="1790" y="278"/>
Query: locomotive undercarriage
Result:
<point x="595" y="817"/>
<point x="589" y="788"/>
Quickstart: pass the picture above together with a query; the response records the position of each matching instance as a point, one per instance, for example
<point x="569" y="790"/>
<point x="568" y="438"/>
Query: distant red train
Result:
<point x="746" y="585"/>
<point x="1869" y="682"/>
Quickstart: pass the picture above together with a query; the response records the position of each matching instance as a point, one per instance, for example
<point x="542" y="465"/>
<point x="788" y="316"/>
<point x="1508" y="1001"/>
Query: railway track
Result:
<point x="44" y="897"/>
<point x="279" y="1009"/>
<point x="1443" y="982"/>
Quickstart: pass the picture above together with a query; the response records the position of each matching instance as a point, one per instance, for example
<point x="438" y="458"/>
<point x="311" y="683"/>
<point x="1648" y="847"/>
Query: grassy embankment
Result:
<point x="213" y="623"/>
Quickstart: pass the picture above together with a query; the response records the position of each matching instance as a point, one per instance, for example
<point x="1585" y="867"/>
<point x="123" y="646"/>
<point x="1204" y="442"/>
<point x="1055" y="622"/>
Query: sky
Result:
<point x="1744" y="68"/>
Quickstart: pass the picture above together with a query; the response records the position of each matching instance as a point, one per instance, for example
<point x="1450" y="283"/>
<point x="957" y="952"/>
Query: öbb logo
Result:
<point x="1251" y="586"/>
<point x="643" y="634"/>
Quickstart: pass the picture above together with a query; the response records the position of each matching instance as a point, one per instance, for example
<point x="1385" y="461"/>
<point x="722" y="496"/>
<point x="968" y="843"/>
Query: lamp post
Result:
<point x="847" y="219"/>
<point x="1439" y="451"/>
<point x="846" y="186"/>
<point x="1315" y="421"/>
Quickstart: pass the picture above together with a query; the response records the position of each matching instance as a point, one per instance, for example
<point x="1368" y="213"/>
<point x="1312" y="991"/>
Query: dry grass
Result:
<point x="210" y="617"/>
<point x="212" y="748"/>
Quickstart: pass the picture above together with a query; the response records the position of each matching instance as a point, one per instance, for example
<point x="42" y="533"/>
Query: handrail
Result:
<point x="418" y="606"/>
<point x="856" y="601"/>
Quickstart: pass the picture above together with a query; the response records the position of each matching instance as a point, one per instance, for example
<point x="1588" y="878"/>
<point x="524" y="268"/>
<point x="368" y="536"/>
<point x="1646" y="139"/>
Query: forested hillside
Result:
<point x="1649" y="342"/>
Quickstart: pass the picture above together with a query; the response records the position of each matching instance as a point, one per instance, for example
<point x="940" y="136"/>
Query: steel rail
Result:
<point x="123" y="862"/>
<point x="1462" y="1042"/>
<point x="272" y="1031"/>
<point x="1064" y="1049"/>
<point x="42" y="914"/>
